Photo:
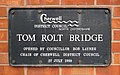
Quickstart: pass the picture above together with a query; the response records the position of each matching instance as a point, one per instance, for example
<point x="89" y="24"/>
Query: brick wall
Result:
<point x="114" y="69"/>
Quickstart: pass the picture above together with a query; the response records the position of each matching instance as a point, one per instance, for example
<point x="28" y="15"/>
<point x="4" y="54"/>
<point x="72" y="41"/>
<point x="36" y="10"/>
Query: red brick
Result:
<point x="33" y="2"/>
<point x="104" y="2"/>
<point x="50" y="2"/>
<point x="116" y="34"/>
<point x="116" y="2"/>
<point x="116" y="58"/>
<point x="43" y="71"/>
<point x="4" y="23"/>
<point x="1" y="70"/>
<point x="3" y="35"/>
<point x="116" y="12"/>
<point x="77" y="71"/>
<point x="116" y="47"/>
<point x="8" y="70"/>
<point x="111" y="70"/>
<point x="78" y="2"/>
<point x="3" y="47"/>
<point x="3" y="11"/>
<point x="108" y="2"/>
<point x="3" y="58"/>
<point x="11" y="2"/>
<point x="115" y="23"/>
<point x="44" y="2"/>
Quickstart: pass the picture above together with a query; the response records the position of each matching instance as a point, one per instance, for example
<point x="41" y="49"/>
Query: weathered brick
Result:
<point x="4" y="23"/>
<point x="116" y="23"/>
<point x="77" y="71"/>
<point x="108" y="2"/>
<point x="116" y="58"/>
<point x="33" y="2"/>
<point x="43" y="71"/>
<point x="116" y="34"/>
<point x="50" y="2"/>
<point x="116" y="47"/>
<point x="3" y="35"/>
<point x="78" y="2"/>
<point x="8" y="70"/>
<point x="104" y="2"/>
<point x="3" y="58"/>
<point x="116" y="12"/>
<point x="11" y="2"/>
<point x="117" y="2"/>
<point x="43" y="2"/>
<point x="3" y="47"/>
<point x="3" y="11"/>
<point x="111" y="70"/>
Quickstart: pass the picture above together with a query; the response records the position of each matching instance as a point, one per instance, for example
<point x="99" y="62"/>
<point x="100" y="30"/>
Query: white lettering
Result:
<point x="86" y="37"/>
<point x="52" y="37"/>
<point x="26" y="37"/>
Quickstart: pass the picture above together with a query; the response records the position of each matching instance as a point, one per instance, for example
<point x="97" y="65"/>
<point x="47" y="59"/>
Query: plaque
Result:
<point x="59" y="37"/>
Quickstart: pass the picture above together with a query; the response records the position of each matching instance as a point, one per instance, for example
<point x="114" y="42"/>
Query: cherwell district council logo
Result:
<point x="57" y="20"/>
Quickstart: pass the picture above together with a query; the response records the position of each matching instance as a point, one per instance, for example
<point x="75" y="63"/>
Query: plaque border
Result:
<point x="106" y="63"/>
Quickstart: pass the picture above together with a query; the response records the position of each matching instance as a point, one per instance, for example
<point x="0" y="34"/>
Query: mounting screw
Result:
<point x="106" y="11"/>
<point x="40" y="61"/>
<point x="39" y="12"/>
<point x="106" y="62"/>
<point x="79" y="61"/>
<point x="12" y="12"/>
<point x="13" y="61"/>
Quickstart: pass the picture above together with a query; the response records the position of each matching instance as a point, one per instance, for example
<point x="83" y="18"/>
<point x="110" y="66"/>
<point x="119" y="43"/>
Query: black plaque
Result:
<point x="59" y="37"/>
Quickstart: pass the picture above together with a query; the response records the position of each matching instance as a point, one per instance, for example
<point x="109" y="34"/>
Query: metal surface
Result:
<point x="59" y="37"/>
